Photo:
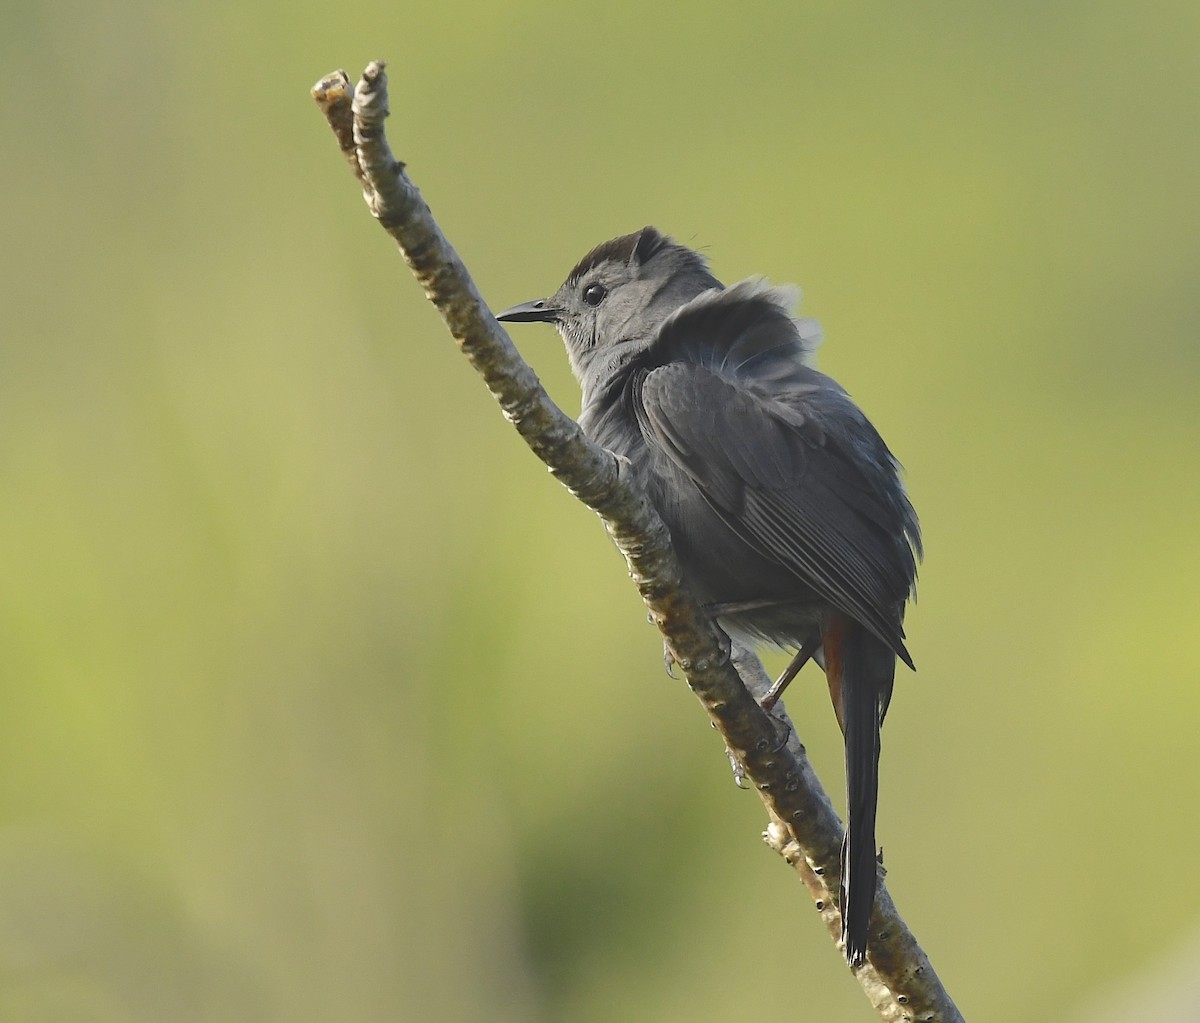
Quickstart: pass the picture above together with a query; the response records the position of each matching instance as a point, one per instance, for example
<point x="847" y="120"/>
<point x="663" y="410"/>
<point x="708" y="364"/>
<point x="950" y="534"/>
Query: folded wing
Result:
<point x="810" y="489"/>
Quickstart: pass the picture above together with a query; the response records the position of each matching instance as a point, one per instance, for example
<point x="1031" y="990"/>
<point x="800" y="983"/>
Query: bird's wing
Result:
<point x="793" y="483"/>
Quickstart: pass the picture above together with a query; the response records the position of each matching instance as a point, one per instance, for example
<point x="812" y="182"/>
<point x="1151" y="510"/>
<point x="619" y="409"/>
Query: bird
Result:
<point x="785" y="507"/>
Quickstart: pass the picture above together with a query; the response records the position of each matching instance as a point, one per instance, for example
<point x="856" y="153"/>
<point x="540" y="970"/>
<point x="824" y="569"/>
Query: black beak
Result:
<point x="536" y="311"/>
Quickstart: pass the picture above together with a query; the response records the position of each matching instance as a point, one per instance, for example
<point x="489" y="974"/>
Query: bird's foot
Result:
<point x="740" y="778"/>
<point x="669" y="661"/>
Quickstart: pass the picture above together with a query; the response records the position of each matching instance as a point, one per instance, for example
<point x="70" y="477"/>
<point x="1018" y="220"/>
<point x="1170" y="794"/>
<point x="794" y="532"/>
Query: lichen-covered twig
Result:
<point x="804" y="828"/>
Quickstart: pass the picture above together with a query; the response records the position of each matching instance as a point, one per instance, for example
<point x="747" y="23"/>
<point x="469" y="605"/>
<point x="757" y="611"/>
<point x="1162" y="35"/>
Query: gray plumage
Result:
<point x="784" y="505"/>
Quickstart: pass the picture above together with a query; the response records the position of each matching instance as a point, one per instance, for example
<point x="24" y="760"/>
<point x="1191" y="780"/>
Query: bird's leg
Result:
<point x="807" y="651"/>
<point x="718" y="611"/>
<point x="803" y="656"/>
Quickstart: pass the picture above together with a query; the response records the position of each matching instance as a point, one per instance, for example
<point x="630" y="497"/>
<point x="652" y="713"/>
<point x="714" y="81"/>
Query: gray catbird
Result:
<point x="784" y="505"/>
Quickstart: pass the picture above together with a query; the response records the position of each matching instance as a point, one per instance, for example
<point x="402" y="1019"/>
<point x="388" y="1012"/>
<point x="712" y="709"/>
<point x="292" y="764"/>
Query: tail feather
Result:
<point x="868" y="668"/>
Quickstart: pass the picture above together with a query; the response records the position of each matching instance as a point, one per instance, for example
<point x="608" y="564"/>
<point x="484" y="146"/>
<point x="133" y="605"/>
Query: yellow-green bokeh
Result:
<point x="320" y="700"/>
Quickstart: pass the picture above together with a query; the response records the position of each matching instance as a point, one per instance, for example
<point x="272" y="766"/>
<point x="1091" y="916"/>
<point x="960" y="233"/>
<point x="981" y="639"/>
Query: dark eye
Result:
<point x="594" y="294"/>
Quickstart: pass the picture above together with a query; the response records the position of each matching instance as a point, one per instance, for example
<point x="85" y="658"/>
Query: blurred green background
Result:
<point x="319" y="699"/>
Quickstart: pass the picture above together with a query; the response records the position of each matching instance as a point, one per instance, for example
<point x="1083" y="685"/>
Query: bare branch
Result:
<point x="804" y="828"/>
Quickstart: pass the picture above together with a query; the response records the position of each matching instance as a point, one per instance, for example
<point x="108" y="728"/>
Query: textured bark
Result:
<point x="804" y="829"/>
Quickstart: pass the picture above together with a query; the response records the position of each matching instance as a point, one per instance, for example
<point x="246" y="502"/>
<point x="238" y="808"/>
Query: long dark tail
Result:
<point x="861" y="670"/>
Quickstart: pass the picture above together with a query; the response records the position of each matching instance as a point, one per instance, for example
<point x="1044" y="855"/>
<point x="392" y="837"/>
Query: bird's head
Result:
<point x="617" y="297"/>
